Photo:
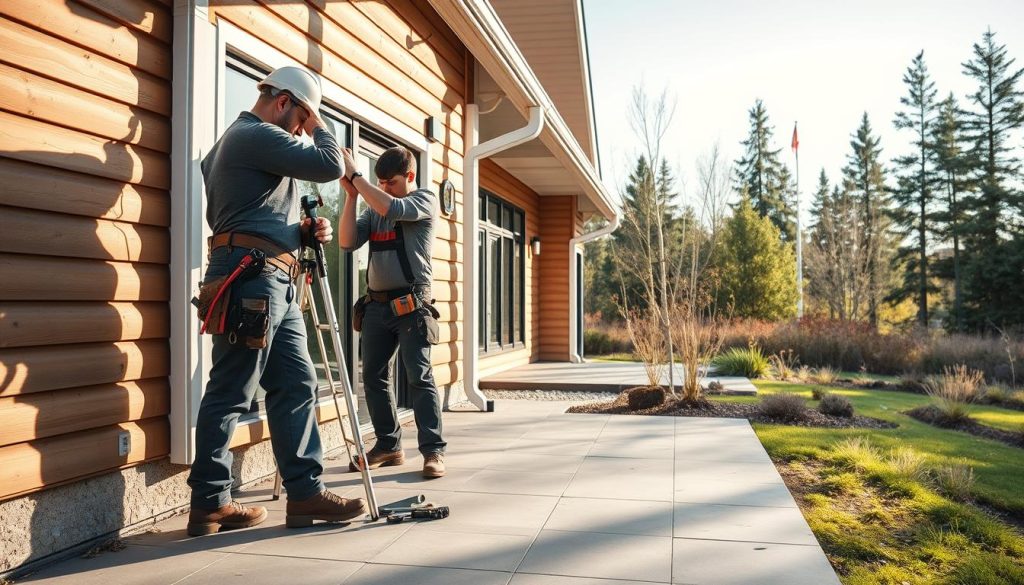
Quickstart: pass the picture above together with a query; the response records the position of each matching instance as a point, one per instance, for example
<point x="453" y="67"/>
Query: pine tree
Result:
<point x="758" y="270"/>
<point x="836" y="257"/>
<point x="917" y="183"/>
<point x="635" y="244"/>
<point x="994" y="236"/>
<point x="864" y="179"/>
<point x="760" y="175"/>
<point x="947" y="140"/>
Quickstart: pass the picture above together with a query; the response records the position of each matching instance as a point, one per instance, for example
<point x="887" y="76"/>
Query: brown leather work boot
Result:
<point x="234" y="515"/>
<point x="433" y="465"/>
<point x="381" y="458"/>
<point x="327" y="506"/>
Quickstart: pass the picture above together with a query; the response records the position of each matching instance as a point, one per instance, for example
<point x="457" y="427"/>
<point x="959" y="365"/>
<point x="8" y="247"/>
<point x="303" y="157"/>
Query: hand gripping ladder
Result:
<point x="316" y="269"/>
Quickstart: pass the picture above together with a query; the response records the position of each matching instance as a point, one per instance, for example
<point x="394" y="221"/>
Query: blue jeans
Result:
<point x="283" y="368"/>
<point x="382" y="334"/>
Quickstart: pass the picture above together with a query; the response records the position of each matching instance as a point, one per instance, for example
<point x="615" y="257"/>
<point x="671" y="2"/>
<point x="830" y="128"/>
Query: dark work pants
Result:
<point x="283" y="368"/>
<point x="382" y="333"/>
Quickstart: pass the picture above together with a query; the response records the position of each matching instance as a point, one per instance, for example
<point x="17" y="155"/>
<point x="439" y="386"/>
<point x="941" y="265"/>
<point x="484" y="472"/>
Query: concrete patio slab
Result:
<point x="599" y="500"/>
<point x="601" y="555"/>
<point x="596" y="377"/>
<point x="716" y="562"/>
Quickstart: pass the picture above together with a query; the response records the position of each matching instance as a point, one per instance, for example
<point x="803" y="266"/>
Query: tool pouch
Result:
<point x="207" y="292"/>
<point x="358" y="311"/>
<point x="251" y="323"/>
<point x="428" y="323"/>
<point x="403" y="305"/>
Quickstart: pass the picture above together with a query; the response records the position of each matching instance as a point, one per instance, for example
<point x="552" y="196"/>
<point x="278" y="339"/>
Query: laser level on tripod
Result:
<point x="313" y="270"/>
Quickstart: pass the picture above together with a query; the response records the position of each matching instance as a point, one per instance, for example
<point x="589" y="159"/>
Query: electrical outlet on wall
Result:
<point x="124" y="443"/>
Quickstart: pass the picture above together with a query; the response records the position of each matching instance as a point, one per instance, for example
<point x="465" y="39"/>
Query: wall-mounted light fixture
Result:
<point x="535" y="244"/>
<point x="432" y="129"/>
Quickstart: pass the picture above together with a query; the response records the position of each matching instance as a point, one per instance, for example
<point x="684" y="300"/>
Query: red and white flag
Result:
<point x="796" y="143"/>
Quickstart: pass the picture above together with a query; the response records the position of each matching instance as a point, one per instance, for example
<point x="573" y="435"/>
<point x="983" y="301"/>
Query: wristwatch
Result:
<point x="354" y="175"/>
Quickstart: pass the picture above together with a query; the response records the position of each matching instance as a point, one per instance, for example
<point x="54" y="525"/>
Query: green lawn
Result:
<point x="879" y="518"/>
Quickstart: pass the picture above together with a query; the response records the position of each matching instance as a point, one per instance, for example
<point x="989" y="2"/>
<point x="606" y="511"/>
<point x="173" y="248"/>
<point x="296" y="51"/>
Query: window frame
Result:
<point x="199" y="97"/>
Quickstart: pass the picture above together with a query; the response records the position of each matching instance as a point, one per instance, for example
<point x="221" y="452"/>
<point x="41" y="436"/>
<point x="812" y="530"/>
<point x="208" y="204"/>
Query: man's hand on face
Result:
<point x="312" y="123"/>
<point x="350" y="162"/>
<point x="324" y="232"/>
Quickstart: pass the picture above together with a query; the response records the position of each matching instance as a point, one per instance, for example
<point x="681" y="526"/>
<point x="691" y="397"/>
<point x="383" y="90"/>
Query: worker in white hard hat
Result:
<point x="251" y="176"/>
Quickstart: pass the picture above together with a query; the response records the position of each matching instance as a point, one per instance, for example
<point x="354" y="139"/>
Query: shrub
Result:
<point x="856" y="451"/>
<point x="605" y="339"/>
<point x="715" y="387"/>
<point x="824" y="375"/>
<point x="836" y="405"/>
<point x="643" y="397"/>
<point x="956" y="481"/>
<point x="818" y="393"/>
<point x="953" y="390"/>
<point x="994" y="394"/>
<point x="788" y="407"/>
<point x="784" y="364"/>
<point x="908" y="463"/>
<point x="849" y="346"/>
<point x="750" y="362"/>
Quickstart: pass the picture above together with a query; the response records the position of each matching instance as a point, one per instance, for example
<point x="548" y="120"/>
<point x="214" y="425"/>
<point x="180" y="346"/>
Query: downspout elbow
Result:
<point x="574" y="355"/>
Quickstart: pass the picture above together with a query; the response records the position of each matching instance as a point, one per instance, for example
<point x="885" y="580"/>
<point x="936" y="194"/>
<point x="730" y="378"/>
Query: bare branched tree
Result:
<point x="695" y="328"/>
<point x="650" y="119"/>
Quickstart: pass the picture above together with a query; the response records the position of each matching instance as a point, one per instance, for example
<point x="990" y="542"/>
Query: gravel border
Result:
<point x="550" y="395"/>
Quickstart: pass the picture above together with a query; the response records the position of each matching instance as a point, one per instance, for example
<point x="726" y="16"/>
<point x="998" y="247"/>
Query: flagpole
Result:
<point x="799" y="234"/>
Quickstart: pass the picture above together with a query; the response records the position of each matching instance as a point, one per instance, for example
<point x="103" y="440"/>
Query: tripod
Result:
<point x="316" y="269"/>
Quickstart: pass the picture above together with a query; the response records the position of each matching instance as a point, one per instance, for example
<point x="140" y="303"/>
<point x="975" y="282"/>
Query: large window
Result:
<point x="502" y="290"/>
<point x="346" y="271"/>
<point x="240" y="93"/>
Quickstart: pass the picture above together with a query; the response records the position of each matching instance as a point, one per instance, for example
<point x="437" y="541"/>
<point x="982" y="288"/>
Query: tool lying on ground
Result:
<point x="414" y="508"/>
<point x="317" y="267"/>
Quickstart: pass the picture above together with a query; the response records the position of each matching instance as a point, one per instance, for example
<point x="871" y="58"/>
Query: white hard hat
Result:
<point x="303" y="85"/>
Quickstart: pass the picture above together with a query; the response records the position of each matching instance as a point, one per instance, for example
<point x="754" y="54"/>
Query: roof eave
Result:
<point x="481" y="30"/>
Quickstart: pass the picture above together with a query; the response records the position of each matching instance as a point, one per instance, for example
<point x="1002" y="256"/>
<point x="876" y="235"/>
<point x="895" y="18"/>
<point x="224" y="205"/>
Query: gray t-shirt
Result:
<point x="251" y="174"/>
<point x="416" y="212"/>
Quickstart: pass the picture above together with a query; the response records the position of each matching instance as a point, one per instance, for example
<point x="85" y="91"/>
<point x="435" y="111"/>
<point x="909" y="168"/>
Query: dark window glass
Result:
<point x="494" y="289"/>
<point x="502" y="274"/>
<point x="493" y="210"/>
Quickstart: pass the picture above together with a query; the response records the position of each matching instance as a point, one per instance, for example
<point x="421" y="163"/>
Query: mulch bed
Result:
<point x="751" y="412"/>
<point x="934" y="416"/>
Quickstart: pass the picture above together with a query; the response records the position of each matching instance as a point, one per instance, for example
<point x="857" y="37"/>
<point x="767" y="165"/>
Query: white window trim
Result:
<point x="198" y="116"/>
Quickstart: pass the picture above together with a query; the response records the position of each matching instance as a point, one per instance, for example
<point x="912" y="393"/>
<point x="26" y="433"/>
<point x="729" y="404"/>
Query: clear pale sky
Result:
<point x="821" y="63"/>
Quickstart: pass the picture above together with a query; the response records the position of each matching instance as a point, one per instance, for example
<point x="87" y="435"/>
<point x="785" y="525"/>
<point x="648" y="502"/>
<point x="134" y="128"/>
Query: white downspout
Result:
<point x="470" y="226"/>
<point x="575" y="357"/>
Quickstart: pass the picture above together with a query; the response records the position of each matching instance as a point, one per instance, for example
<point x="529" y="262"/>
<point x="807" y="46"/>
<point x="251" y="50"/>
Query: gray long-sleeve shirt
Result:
<point x="416" y="212"/>
<point x="251" y="174"/>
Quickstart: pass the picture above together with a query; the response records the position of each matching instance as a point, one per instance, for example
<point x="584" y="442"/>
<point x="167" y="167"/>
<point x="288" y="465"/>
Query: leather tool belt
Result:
<point x="276" y="256"/>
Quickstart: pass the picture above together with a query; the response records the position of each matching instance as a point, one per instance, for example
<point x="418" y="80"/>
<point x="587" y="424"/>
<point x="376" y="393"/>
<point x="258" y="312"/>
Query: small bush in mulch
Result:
<point x="836" y="405"/>
<point x="644" y="397"/>
<point x="939" y="417"/>
<point x="715" y="387"/>
<point x="750" y="362"/>
<point x="784" y="407"/>
<point x="818" y="393"/>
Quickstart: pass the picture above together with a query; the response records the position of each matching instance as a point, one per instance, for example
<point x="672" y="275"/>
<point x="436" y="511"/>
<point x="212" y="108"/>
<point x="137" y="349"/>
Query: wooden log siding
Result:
<point x="556" y="229"/>
<point x="85" y="102"/>
<point x="500" y="182"/>
<point x="399" y="57"/>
